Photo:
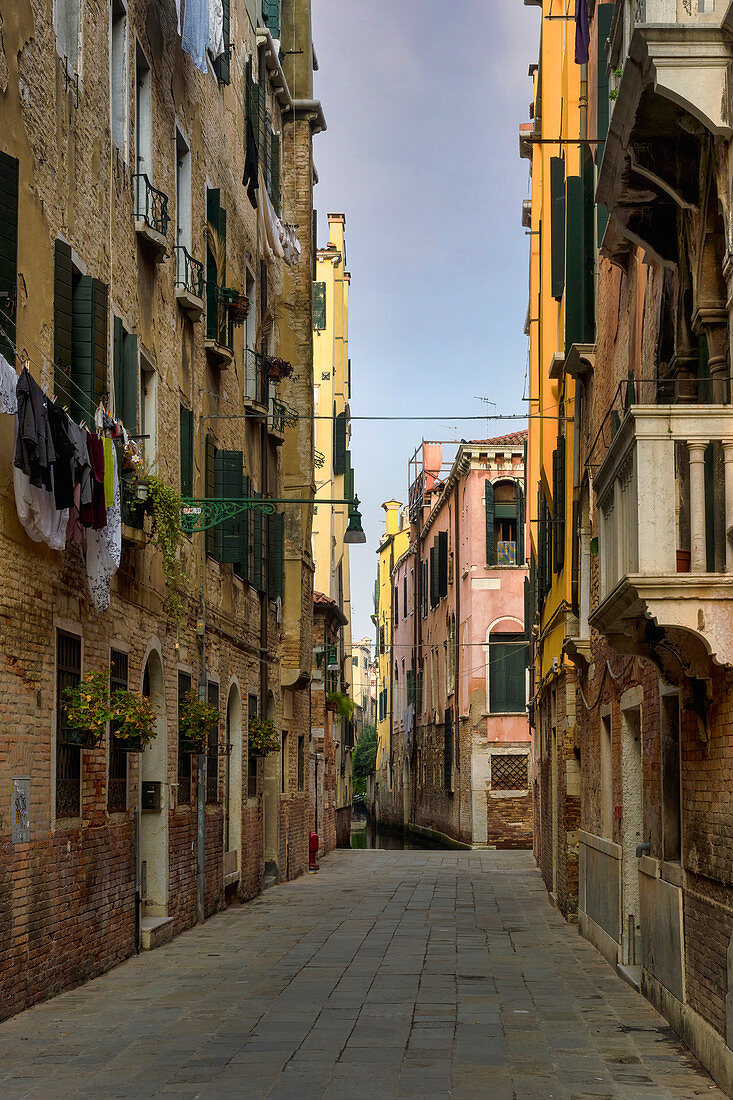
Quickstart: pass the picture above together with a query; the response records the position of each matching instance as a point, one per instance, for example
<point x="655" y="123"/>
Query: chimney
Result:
<point x="392" y="508"/>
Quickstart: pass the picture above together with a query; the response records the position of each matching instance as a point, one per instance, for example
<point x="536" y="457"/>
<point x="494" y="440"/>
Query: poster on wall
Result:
<point x="20" y="811"/>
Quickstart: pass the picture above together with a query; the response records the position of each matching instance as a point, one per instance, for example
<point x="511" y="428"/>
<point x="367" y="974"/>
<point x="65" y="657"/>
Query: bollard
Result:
<point x="313" y="852"/>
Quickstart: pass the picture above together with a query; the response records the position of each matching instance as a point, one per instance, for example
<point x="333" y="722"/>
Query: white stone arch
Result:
<point x="233" y="781"/>
<point x="154" y="770"/>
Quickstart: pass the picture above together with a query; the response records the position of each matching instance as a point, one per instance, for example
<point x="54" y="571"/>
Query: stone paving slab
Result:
<point x="387" y="975"/>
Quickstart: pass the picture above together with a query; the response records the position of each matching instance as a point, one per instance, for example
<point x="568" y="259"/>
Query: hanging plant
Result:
<point x="277" y="368"/>
<point x="342" y="704"/>
<point x="134" y="717"/>
<point x="87" y="710"/>
<point x="165" y="504"/>
<point x="238" y="307"/>
<point x="196" y="718"/>
<point x="263" y="737"/>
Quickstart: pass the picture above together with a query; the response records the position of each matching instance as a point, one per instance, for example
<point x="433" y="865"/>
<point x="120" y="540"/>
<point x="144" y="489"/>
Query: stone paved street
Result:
<point x="389" y="974"/>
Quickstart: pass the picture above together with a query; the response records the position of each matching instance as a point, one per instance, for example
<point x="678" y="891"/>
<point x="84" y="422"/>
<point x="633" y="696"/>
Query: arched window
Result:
<point x="504" y="502"/>
<point x="508" y="658"/>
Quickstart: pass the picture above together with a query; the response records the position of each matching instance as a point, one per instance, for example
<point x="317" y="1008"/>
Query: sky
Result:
<point x="423" y="102"/>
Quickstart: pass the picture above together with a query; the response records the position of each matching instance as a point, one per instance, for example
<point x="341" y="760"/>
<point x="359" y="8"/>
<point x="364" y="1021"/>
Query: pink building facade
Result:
<point x="460" y="748"/>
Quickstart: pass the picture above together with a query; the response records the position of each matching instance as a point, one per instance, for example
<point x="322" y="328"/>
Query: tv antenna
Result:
<point x="486" y="402"/>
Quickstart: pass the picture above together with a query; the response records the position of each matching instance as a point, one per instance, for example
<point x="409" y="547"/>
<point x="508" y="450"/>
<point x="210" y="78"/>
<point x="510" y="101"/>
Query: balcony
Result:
<point x="256" y="384"/>
<point x="219" y="342"/>
<point x="151" y="216"/>
<point x="668" y="62"/>
<point x="281" y="417"/>
<point x="189" y="283"/>
<point x="665" y="513"/>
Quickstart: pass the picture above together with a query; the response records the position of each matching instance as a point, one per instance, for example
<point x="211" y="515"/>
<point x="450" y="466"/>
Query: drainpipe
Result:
<point x="456" y="646"/>
<point x="137" y="879"/>
<point x="201" y="757"/>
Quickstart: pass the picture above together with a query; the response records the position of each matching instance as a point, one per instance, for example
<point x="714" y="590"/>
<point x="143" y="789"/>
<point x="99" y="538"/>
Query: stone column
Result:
<point x="728" y="460"/>
<point x="696" y="452"/>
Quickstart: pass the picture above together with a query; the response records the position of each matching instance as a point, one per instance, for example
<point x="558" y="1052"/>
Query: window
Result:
<point x="149" y="413"/>
<point x="212" y="754"/>
<point x="507" y="675"/>
<point x="558" y="505"/>
<point x="68" y="757"/>
<point x="252" y="706"/>
<point x="284" y="749"/>
<point x="223" y="63"/>
<point x="509" y="771"/>
<point x="186" y="437"/>
<point x="184" y="758"/>
<point x="183" y="207"/>
<point x="271" y="15"/>
<point x="355" y="662"/>
<point x="118" y="77"/>
<point x="68" y="28"/>
<point x="125" y="375"/>
<point x="504" y="504"/>
<point x="396" y="604"/>
<point x="276" y="556"/>
<point x="80" y="336"/>
<point x="143" y="124"/>
<point x="424" y="588"/>
<point x="404" y="595"/>
<point x="442" y="564"/>
<point x="412" y="591"/>
<point x="218" y="326"/>
<point x="117" y="782"/>
<point x="557" y="227"/>
<point x="339" y="442"/>
<point x="301" y="762"/>
<point x="8" y="251"/>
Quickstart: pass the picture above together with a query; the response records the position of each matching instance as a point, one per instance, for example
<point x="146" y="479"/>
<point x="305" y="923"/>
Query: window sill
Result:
<point x="220" y="353"/>
<point x="156" y="241"/>
<point x="509" y="794"/>
<point x="190" y="303"/>
<point x="504" y="714"/>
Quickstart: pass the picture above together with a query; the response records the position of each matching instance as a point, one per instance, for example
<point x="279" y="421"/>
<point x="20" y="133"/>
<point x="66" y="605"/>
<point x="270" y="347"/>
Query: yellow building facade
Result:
<point x="560" y="323"/>
<point x="334" y="475"/>
<point x="393" y="545"/>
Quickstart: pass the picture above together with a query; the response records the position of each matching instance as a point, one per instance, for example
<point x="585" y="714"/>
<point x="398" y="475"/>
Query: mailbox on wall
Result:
<point x="151" y="795"/>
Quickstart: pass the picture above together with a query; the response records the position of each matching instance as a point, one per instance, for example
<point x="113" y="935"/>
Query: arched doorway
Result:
<point x="233" y="789"/>
<point x="154" y="799"/>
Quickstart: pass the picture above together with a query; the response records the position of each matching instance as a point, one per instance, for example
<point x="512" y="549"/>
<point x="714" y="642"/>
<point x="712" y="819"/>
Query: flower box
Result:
<point x="80" y="739"/>
<point x="128" y="744"/>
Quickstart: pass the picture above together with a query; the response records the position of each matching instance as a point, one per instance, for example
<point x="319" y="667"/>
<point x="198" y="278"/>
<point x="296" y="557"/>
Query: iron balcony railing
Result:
<point x="257" y="381"/>
<point x="282" y="416"/>
<point x="189" y="272"/>
<point x="218" y="325"/>
<point x="151" y="204"/>
<point x="319" y="460"/>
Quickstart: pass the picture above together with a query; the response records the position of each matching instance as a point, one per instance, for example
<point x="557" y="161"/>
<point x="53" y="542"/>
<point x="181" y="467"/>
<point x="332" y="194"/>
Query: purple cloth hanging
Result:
<point x="582" y="32"/>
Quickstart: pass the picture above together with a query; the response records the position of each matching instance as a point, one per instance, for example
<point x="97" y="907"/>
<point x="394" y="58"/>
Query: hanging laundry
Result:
<point x="582" y="32"/>
<point x="216" y="28"/>
<point x="34" y="449"/>
<point x="8" y="386"/>
<point x="104" y="548"/>
<point x="36" y="509"/>
<point x="178" y="17"/>
<point x="108" y="449"/>
<point x="195" y="37"/>
<point x="65" y="464"/>
<point x="290" y="244"/>
<point x="94" y="514"/>
<point x="251" y="164"/>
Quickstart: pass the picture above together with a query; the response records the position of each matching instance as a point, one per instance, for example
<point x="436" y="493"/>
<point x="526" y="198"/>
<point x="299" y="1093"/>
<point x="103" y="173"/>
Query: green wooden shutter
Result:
<point x="348" y="476"/>
<point x="8" y="251"/>
<point x="507" y="665"/>
<point x="521" y="537"/>
<point x="558" y="505"/>
<point x="88" y="346"/>
<point x="130" y="375"/>
<point x="557" y="227"/>
<point x="271" y="15"/>
<point x="186" y="423"/>
<point x="210" y="480"/>
<point x="63" y="276"/>
<point x="490" y="531"/>
<point x="588" y="259"/>
<point x="574" y="299"/>
<point x="212" y="296"/>
<point x="442" y="563"/>
<point x="258" y="579"/>
<point x="118" y="384"/>
<point x="314" y="246"/>
<point x="339" y="444"/>
<point x="229" y="488"/>
<point x="434" y="576"/>
<point x="223" y="65"/>
<point x="275" y="172"/>
<point x="604" y="17"/>
<point x="275" y="555"/>
<point x="319" y="306"/>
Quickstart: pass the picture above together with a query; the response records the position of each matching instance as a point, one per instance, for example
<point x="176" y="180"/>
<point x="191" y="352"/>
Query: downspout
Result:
<point x="200" y="757"/>
<point x="456" y="646"/>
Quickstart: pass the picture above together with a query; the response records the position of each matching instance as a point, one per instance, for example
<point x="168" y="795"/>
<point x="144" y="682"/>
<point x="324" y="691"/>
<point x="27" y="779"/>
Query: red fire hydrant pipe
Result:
<point x="313" y="851"/>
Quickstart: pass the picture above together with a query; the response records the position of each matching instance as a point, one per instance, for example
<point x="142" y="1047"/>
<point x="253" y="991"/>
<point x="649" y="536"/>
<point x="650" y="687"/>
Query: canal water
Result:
<point x="364" y="834"/>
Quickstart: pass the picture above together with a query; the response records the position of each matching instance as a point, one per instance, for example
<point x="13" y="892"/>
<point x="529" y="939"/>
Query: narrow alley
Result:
<point x="388" y="974"/>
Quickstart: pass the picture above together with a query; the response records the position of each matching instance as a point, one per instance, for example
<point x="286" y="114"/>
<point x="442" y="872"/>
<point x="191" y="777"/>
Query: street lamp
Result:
<point x="354" y="532"/>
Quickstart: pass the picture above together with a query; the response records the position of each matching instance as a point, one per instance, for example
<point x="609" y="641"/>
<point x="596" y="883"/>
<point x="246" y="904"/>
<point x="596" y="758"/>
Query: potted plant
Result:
<point x="263" y="738"/>
<point x="165" y="504"/>
<point x="196" y="718"/>
<point x="342" y="704"/>
<point x="238" y="306"/>
<point x="86" y="711"/>
<point x="133" y="715"/>
<point x="277" y="368"/>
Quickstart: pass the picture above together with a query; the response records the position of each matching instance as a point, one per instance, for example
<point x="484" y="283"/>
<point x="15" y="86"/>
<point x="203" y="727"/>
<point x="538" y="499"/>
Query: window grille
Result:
<point x="68" y="757"/>
<point x="509" y="772"/>
<point x="117" y="783"/>
<point x="184" y="758"/>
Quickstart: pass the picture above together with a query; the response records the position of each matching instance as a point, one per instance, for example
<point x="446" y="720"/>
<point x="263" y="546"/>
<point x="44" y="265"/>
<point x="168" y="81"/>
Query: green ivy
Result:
<point x="165" y="504"/>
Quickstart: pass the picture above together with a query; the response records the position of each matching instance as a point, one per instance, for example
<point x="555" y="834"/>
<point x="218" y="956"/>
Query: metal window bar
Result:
<point x="212" y="753"/>
<point x="184" y="758"/>
<point x="68" y="757"/>
<point x="117" y="783"/>
<point x="151" y="204"/>
<point x="189" y="272"/>
<point x="218" y="325"/>
<point x="509" y="772"/>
